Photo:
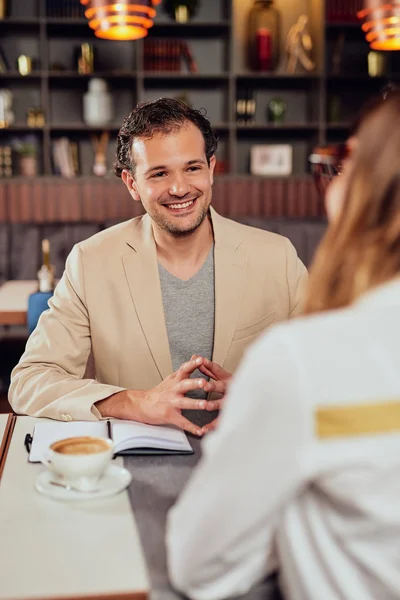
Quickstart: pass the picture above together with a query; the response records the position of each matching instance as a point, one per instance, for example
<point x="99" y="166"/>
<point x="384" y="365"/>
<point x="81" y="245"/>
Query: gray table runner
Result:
<point x="156" y="483"/>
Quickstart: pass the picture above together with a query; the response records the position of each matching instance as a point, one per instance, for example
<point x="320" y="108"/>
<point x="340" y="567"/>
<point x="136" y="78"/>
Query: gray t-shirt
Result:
<point x="189" y="308"/>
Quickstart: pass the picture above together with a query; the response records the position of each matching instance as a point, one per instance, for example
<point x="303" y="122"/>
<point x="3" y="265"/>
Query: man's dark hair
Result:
<point x="164" y="116"/>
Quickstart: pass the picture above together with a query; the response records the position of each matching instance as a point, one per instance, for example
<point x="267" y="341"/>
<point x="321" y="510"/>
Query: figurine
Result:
<point x="100" y="153"/>
<point x="299" y="46"/>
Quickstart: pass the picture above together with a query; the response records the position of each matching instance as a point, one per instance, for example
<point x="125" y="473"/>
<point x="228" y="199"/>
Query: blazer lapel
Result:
<point x="230" y="268"/>
<point x="141" y="270"/>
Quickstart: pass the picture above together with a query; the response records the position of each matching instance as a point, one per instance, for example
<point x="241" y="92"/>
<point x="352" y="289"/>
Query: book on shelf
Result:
<point x="6" y="161"/>
<point x="245" y="107"/>
<point x="168" y="55"/>
<point x="64" y="9"/>
<point x="343" y="10"/>
<point x="65" y="158"/>
<point x="129" y="437"/>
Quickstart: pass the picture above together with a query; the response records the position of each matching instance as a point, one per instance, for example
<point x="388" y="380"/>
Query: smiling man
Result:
<point x="165" y="303"/>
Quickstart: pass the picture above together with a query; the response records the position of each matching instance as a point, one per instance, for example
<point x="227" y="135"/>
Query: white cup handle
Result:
<point x="48" y="464"/>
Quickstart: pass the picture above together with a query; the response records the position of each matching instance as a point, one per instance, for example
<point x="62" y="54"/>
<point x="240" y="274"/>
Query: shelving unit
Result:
<point x="217" y="39"/>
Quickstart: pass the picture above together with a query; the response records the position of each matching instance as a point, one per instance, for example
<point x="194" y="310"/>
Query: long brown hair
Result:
<point x="361" y="249"/>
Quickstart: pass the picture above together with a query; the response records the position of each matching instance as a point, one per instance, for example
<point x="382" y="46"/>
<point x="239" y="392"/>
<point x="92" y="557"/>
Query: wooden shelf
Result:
<point x="65" y="21"/>
<point x="338" y="126"/>
<point x="281" y="127"/>
<point x="254" y="75"/>
<point x="21" y="128"/>
<point x="65" y="127"/>
<point x="193" y="24"/>
<point x="21" y="22"/>
<point x="85" y="76"/>
<point x="191" y="29"/>
<point x="16" y="75"/>
<point x="171" y="75"/>
<point x="343" y="24"/>
<point x="357" y="78"/>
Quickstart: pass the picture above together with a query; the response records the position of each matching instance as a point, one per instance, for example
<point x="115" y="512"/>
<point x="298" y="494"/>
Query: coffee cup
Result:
<point x="79" y="461"/>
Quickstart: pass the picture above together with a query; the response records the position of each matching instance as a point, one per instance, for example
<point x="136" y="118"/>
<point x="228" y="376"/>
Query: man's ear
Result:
<point x="130" y="183"/>
<point x="213" y="160"/>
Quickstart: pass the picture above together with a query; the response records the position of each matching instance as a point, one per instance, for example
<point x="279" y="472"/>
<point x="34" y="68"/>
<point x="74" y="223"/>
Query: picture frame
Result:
<point x="271" y="160"/>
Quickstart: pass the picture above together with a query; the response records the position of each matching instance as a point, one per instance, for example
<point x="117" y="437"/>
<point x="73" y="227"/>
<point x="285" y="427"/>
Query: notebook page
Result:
<point x="48" y="432"/>
<point x="148" y="436"/>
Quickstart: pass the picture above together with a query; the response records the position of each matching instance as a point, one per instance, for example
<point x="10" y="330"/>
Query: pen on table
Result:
<point x="109" y="429"/>
<point x="28" y="442"/>
<point x="109" y="433"/>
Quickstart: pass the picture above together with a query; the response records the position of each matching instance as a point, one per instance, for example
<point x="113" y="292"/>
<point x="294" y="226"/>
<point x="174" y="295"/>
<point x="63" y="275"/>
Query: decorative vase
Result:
<point x="28" y="166"/>
<point x="263" y="36"/>
<point x="97" y="104"/>
<point x="276" y="111"/>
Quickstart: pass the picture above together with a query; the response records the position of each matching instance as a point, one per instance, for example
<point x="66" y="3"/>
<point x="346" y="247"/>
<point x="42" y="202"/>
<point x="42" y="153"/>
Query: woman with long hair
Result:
<point x="303" y="473"/>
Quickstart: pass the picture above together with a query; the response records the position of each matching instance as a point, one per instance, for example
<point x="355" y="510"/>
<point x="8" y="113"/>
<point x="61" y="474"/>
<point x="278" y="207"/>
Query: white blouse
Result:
<point x="303" y="472"/>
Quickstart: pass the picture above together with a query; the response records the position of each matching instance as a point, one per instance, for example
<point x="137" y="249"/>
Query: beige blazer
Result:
<point x="108" y="305"/>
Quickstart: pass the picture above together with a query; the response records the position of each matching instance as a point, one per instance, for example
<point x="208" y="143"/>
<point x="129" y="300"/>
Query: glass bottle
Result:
<point x="263" y="36"/>
<point x="38" y="301"/>
<point x="46" y="271"/>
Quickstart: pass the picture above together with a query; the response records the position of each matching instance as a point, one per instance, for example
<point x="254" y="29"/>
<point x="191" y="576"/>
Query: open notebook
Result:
<point x="130" y="437"/>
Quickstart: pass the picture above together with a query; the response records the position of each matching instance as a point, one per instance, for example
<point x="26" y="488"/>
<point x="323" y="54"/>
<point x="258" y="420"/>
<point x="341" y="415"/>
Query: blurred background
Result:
<point x="276" y="78"/>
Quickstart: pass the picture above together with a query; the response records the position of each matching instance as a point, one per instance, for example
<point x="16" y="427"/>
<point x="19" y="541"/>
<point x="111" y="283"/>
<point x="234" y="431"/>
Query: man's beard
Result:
<point x="172" y="228"/>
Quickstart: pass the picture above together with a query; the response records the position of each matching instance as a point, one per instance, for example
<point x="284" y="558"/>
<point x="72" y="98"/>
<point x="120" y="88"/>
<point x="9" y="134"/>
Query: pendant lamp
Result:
<point x="121" y="20"/>
<point x="381" y="24"/>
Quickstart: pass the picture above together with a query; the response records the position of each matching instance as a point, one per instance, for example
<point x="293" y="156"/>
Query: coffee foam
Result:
<point x="80" y="445"/>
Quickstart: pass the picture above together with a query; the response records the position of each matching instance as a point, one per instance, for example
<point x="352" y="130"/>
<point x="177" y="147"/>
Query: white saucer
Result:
<point x="114" y="480"/>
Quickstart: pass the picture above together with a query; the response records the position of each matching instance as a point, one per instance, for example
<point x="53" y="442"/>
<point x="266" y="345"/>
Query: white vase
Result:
<point x="97" y="104"/>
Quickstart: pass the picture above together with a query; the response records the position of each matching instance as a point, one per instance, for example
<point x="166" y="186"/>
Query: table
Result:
<point x="6" y="426"/>
<point x="14" y="301"/>
<point x="55" y="550"/>
<point x="87" y="549"/>
<point x="156" y="483"/>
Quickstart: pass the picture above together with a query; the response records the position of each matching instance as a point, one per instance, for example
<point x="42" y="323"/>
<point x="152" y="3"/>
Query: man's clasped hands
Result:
<point x="164" y="403"/>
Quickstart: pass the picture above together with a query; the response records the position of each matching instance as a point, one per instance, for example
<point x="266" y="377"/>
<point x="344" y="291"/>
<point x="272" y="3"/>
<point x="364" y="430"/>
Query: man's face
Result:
<point x="172" y="179"/>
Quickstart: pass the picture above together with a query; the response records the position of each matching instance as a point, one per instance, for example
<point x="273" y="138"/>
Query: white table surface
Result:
<point x="52" y="549"/>
<point x="14" y="294"/>
<point x="14" y="301"/>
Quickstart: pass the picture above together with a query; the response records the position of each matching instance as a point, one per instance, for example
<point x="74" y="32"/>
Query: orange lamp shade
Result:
<point x="122" y="19"/>
<point x="381" y="24"/>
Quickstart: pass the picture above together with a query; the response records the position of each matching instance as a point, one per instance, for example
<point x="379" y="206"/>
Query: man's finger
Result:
<point x="187" y="368"/>
<point x="217" y="371"/>
<point x="190" y="404"/>
<point x="188" y="385"/>
<point x="203" y="369"/>
<point x="219" y="387"/>
<point x="211" y="426"/>
<point x="213" y="405"/>
<point x="180" y="421"/>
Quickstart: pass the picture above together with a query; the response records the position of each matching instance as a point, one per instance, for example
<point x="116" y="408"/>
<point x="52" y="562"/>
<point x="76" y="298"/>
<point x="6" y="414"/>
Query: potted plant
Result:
<point x="27" y="159"/>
